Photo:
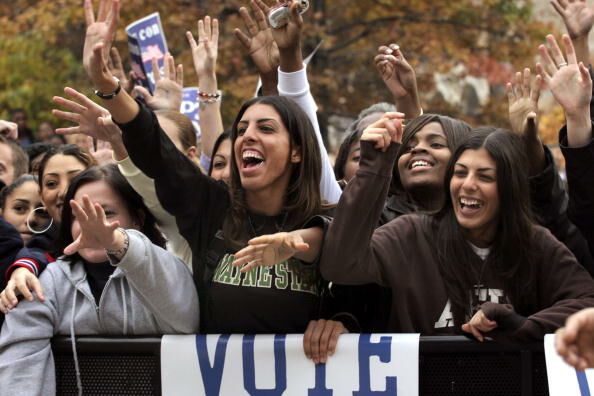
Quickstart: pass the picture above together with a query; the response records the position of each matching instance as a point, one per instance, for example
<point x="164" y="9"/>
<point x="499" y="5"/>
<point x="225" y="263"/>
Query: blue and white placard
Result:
<point x="211" y="365"/>
<point x="189" y="107"/>
<point x="146" y="40"/>
<point x="565" y="380"/>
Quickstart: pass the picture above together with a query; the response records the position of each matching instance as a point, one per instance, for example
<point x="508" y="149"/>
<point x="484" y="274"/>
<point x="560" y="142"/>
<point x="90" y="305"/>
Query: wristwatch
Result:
<point x="111" y="95"/>
<point x="116" y="255"/>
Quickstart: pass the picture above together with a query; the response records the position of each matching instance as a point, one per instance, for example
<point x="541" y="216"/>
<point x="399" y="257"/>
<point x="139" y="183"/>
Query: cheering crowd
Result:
<point x="424" y="224"/>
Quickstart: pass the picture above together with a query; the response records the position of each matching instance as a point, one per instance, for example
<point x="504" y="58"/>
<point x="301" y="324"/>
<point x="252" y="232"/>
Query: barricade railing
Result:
<point x="447" y="366"/>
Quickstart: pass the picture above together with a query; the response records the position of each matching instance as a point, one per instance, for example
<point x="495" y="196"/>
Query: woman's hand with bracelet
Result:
<point x="98" y="38"/>
<point x="94" y="230"/>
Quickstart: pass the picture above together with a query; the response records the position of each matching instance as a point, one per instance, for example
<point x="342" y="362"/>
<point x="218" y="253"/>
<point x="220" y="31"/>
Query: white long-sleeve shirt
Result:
<point x="295" y="86"/>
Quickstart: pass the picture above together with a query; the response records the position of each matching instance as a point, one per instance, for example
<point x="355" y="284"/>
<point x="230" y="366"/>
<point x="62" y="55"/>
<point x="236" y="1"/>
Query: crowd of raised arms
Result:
<point x="424" y="224"/>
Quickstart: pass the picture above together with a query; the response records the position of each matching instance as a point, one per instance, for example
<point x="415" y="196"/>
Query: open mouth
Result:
<point x="251" y="159"/>
<point x="420" y="164"/>
<point x="470" y="205"/>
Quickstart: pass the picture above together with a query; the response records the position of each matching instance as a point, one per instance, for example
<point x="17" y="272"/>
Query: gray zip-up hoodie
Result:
<point x="151" y="292"/>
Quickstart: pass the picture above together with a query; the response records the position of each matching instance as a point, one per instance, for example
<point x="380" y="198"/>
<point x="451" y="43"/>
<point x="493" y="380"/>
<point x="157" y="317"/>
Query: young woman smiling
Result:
<point x="17" y="201"/>
<point x="480" y="263"/>
<point x="274" y="185"/>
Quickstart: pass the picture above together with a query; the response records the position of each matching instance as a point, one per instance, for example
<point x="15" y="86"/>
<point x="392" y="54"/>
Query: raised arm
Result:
<point x="349" y="254"/>
<point x="98" y="38"/>
<point x="571" y="86"/>
<point x="260" y="45"/>
<point x="400" y="78"/>
<point x="523" y="93"/>
<point x="169" y="88"/>
<point x="182" y="189"/>
<point x="292" y="83"/>
<point x="204" y="54"/>
<point x="562" y="75"/>
<point x="578" y="18"/>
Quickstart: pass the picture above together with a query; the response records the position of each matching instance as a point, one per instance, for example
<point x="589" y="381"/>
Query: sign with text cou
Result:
<point x="271" y="365"/>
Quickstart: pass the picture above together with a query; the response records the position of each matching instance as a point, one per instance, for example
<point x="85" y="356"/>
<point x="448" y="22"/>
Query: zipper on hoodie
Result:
<point x="98" y="307"/>
<point x="91" y="299"/>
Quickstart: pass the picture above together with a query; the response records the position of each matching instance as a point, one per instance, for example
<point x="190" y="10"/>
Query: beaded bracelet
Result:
<point x="209" y="95"/>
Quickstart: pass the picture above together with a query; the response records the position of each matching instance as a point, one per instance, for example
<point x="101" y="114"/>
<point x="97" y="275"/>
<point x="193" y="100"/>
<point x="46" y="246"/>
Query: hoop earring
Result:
<point x="29" y="219"/>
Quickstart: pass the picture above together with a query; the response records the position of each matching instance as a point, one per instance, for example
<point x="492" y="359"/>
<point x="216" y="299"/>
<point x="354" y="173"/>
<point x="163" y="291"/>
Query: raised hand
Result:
<point x="396" y="72"/>
<point x="204" y="53"/>
<point x="9" y="129"/>
<point x="102" y="152"/>
<point x="169" y="89"/>
<point x="577" y="16"/>
<point x="523" y="94"/>
<point x="385" y="131"/>
<point x="268" y="250"/>
<point x="93" y="121"/>
<point x="260" y="43"/>
<point x="288" y="37"/>
<point x="85" y="113"/>
<point x="100" y="30"/>
<point x="478" y="325"/>
<point x="400" y="78"/>
<point x="114" y="64"/>
<point x="575" y="341"/>
<point x="569" y="81"/>
<point x="96" y="231"/>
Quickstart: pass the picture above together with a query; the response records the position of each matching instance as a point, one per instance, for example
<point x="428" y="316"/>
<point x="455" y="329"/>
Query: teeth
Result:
<point x="420" y="163"/>
<point x="252" y="154"/>
<point x="471" y="202"/>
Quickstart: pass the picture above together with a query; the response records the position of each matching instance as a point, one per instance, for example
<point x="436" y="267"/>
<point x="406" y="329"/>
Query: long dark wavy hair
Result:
<point x="511" y="257"/>
<point x="302" y="198"/>
<point x="134" y="204"/>
<point x="455" y="132"/>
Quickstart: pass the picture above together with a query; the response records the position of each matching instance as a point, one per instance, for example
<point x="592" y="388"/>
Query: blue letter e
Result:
<point x="366" y="350"/>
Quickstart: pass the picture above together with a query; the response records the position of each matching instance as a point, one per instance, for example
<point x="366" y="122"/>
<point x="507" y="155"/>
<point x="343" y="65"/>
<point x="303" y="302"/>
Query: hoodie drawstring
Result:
<point x="123" y="289"/>
<point x="73" y="341"/>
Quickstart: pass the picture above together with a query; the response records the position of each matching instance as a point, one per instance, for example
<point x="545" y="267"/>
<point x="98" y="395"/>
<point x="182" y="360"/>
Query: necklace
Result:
<point x="255" y="230"/>
<point x="475" y="298"/>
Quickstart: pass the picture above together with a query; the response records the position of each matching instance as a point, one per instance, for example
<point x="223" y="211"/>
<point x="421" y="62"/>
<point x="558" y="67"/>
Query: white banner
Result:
<point x="376" y="364"/>
<point x="565" y="380"/>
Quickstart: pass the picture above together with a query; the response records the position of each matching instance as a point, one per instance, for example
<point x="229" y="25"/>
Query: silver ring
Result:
<point x="560" y="65"/>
